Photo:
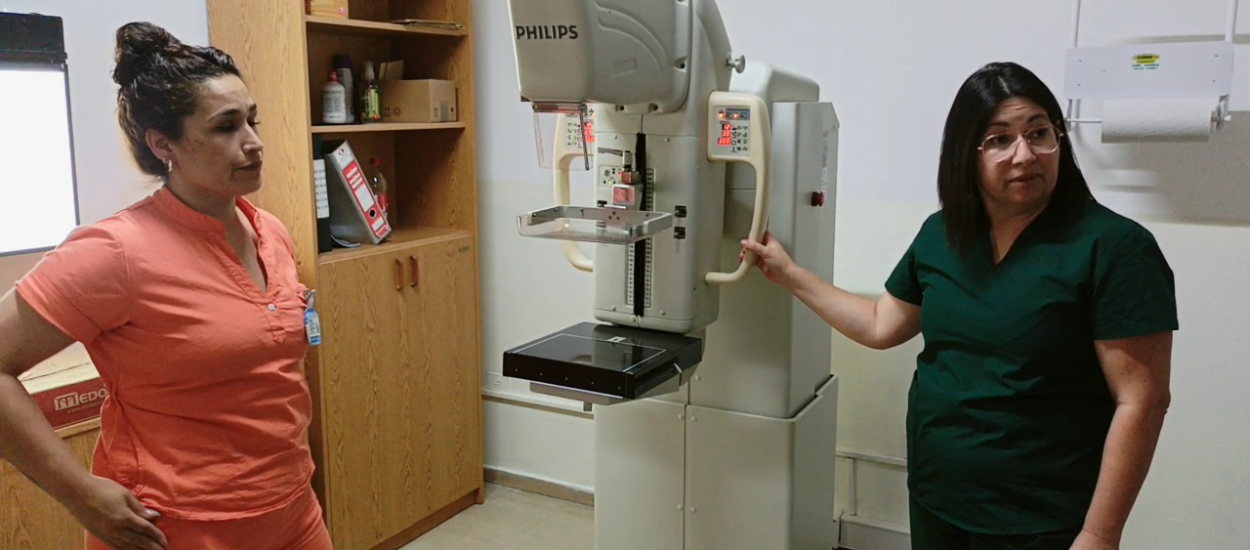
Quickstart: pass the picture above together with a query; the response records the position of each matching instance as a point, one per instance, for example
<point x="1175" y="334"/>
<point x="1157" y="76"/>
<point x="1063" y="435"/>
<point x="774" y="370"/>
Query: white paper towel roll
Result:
<point x="1158" y="120"/>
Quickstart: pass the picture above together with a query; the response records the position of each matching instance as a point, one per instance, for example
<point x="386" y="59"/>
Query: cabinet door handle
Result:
<point x="412" y="261"/>
<point x="399" y="274"/>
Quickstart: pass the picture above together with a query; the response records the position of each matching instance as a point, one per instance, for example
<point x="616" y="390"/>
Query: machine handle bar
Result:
<point x="760" y="145"/>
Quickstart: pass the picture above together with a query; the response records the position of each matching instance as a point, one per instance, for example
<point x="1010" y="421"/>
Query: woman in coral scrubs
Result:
<point x="189" y="304"/>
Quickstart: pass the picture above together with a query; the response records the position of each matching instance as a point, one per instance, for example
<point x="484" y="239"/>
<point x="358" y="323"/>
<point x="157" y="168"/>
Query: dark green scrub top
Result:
<point x="1008" y="409"/>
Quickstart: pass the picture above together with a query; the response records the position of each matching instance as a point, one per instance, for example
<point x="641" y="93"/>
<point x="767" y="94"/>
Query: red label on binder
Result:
<point x="355" y="178"/>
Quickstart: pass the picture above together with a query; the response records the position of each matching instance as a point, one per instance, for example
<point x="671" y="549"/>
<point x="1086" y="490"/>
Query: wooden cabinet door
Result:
<point x="401" y="377"/>
<point x="32" y="520"/>
<point x="367" y="381"/>
<point x="446" y="345"/>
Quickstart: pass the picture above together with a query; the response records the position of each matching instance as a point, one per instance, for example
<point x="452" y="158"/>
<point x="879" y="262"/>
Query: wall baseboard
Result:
<point x="539" y="486"/>
<point x="855" y="533"/>
<point x="858" y="533"/>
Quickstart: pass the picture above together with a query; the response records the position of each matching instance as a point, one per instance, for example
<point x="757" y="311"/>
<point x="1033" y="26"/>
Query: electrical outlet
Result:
<point x="496" y="382"/>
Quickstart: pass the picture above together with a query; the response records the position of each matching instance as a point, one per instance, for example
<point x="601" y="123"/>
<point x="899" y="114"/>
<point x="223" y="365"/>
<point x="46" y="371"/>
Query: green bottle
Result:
<point x="370" y="96"/>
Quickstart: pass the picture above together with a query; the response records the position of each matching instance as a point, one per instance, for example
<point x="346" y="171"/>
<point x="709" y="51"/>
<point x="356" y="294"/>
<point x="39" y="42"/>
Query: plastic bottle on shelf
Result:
<point x="370" y="96"/>
<point x="343" y="66"/>
<point x="333" y="101"/>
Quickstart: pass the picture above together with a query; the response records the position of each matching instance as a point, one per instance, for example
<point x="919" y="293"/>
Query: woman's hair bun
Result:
<point x="140" y="46"/>
<point x="160" y="81"/>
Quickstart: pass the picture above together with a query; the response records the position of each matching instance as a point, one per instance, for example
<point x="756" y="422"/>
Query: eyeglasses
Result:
<point x="1044" y="140"/>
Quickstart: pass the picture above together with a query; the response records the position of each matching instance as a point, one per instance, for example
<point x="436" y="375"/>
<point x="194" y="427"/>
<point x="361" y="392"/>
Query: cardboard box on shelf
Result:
<point x="66" y="387"/>
<point x="426" y="100"/>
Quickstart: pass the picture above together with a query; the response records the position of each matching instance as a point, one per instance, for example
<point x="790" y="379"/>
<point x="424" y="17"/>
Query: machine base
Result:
<point x="605" y="364"/>
<point x="709" y="479"/>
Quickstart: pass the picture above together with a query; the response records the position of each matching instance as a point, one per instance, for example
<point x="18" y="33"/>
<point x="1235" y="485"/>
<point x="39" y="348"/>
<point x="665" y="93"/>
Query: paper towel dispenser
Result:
<point x="1169" y="92"/>
<point x="1150" y="71"/>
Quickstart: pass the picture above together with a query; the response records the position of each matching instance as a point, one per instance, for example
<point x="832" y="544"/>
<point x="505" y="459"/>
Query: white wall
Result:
<point x="107" y="178"/>
<point x="527" y="290"/>
<point x="891" y="70"/>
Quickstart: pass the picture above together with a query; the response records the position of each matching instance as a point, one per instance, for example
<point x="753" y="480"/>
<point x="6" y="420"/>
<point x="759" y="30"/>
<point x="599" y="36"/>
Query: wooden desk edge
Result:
<point x="85" y="426"/>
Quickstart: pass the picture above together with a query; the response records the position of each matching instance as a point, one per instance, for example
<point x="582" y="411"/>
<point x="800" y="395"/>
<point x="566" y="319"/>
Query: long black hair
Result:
<point x="959" y="174"/>
<point x="160" y="80"/>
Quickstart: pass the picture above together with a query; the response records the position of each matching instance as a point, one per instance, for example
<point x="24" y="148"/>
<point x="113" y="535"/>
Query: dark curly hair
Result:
<point x="160" y="80"/>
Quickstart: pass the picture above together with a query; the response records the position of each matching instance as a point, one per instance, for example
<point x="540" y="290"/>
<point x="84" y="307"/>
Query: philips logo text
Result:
<point x="69" y="401"/>
<point x="547" y="32"/>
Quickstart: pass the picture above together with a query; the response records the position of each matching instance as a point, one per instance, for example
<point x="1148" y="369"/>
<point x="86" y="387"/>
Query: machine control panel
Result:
<point x="575" y="132"/>
<point x="735" y="131"/>
<point x="610" y="175"/>
<point x="620" y="182"/>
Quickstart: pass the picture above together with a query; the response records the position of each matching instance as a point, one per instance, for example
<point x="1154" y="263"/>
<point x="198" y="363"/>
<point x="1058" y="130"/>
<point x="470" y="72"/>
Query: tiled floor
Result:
<point x="514" y="520"/>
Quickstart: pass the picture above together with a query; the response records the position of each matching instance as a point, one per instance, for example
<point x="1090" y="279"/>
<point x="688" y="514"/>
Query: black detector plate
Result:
<point x="618" y="362"/>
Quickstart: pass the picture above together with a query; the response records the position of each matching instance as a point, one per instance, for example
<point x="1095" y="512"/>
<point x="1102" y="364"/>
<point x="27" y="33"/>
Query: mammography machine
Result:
<point x="715" y="411"/>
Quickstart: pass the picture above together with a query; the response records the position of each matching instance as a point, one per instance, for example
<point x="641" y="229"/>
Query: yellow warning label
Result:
<point x="1146" y="61"/>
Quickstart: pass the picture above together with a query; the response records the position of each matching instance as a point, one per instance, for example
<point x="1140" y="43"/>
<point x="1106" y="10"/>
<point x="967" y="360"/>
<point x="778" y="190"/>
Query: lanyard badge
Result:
<point x="312" y="321"/>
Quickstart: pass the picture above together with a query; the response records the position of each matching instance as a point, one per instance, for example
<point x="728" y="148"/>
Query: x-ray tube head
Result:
<point x="628" y="53"/>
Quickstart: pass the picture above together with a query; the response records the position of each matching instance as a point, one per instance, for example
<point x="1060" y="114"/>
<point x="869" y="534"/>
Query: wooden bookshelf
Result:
<point x="403" y="237"/>
<point x="384" y="127"/>
<point x="374" y="28"/>
<point x="396" y="384"/>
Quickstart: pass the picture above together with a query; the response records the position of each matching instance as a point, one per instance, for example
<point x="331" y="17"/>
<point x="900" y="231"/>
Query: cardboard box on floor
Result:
<point x="423" y="100"/>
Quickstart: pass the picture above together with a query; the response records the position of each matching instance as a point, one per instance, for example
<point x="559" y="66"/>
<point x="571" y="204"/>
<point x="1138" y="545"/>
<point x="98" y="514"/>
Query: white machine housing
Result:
<point x="633" y="53"/>
<point x="647" y="68"/>
<point x="741" y="455"/>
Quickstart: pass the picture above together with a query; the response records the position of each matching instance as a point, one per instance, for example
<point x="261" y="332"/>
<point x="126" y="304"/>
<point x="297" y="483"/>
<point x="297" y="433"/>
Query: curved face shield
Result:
<point x="564" y="134"/>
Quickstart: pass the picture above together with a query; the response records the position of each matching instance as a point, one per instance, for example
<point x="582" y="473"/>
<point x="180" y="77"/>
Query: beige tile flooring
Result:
<point x="514" y="520"/>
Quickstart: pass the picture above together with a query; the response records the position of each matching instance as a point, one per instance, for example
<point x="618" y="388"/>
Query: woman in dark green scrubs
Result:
<point x="1047" y="321"/>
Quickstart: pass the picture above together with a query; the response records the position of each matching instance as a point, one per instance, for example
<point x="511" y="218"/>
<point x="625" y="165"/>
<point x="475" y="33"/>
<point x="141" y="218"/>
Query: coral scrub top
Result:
<point x="208" y="407"/>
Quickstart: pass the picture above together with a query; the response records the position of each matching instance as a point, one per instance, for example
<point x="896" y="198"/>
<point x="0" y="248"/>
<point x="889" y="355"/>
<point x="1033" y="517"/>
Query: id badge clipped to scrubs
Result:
<point x="312" y="321"/>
